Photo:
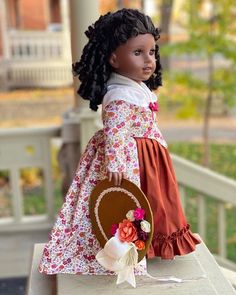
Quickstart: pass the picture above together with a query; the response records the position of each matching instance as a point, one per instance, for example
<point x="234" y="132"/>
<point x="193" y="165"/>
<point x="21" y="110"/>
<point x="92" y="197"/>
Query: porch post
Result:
<point x="82" y="14"/>
<point x="66" y="43"/>
<point x="78" y="123"/>
<point x="4" y="29"/>
<point x="5" y="46"/>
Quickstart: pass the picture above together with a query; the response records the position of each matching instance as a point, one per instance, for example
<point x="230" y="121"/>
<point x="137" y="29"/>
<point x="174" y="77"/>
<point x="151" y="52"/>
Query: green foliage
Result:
<point x="33" y="187"/>
<point x="214" y="36"/>
<point x="4" y="174"/>
<point x="177" y="95"/>
<point x="222" y="156"/>
<point x="34" y="202"/>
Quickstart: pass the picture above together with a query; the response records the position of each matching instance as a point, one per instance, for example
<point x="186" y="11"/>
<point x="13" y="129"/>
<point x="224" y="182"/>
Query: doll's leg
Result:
<point x="54" y="284"/>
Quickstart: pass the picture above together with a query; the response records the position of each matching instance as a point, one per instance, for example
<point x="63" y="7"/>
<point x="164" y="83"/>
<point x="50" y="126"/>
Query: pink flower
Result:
<point x="114" y="229"/>
<point x="153" y="106"/>
<point x="139" y="213"/>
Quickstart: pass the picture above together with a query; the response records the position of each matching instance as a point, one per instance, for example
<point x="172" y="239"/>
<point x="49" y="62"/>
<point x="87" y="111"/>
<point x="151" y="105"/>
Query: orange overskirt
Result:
<point x="172" y="235"/>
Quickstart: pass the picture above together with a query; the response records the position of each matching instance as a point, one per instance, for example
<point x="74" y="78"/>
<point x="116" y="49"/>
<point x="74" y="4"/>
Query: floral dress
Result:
<point x="72" y="246"/>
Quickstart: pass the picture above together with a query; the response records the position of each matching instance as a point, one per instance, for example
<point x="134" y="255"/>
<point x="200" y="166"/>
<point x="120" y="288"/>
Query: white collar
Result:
<point x="124" y="88"/>
<point x="117" y="79"/>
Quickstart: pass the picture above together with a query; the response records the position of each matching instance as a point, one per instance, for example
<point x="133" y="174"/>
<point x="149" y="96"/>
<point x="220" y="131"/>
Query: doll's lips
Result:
<point x="147" y="69"/>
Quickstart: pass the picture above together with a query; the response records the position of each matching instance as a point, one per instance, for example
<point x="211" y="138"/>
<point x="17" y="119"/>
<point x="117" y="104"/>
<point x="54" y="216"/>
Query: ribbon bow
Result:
<point x="120" y="257"/>
<point x="154" y="106"/>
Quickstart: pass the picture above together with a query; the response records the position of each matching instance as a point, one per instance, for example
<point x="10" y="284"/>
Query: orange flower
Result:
<point x="127" y="232"/>
<point x="114" y="130"/>
<point x="110" y="114"/>
<point x="140" y="245"/>
<point x="135" y="170"/>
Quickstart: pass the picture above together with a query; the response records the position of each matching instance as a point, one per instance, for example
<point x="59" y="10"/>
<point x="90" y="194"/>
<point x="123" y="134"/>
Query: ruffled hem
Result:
<point x="180" y="242"/>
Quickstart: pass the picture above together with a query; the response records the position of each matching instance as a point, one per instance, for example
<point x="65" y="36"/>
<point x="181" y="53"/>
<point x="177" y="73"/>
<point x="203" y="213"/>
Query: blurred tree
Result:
<point x="211" y="29"/>
<point x="165" y="19"/>
<point x="113" y="5"/>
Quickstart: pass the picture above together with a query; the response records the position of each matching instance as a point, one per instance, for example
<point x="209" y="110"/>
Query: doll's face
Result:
<point x="136" y="58"/>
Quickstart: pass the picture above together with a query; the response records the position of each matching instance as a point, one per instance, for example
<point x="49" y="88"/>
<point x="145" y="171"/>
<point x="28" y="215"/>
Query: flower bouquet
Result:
<point x="120" y="252"/>
<point x="134" y="229"/>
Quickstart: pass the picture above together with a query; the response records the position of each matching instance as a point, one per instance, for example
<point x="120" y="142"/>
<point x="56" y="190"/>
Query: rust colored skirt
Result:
<point x="172" y="235"/>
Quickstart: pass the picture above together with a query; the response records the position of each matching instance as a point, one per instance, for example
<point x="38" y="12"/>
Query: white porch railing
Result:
<point x="37" y="59"/>
<point x="14" y="145"/>
<point x="35" y="45"/>
<point x="207" y="184"/>
<point x="25" y="148"/>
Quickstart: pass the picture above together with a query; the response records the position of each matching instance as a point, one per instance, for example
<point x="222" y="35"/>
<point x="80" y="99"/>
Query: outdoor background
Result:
<point x="197" y="103"/>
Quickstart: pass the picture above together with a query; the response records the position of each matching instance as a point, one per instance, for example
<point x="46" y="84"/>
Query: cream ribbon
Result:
<point x="120" y="257"/>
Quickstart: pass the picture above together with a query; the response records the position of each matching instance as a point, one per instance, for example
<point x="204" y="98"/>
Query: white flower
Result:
<point x="130" y="215"/>
<point x="145" y="226"/>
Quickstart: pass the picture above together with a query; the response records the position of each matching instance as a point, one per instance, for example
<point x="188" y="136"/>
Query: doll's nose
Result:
<point x="148" y="58"/>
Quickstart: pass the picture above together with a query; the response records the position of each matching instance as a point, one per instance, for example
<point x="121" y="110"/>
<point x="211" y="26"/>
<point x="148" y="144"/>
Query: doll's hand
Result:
<point x="116" y="177"/>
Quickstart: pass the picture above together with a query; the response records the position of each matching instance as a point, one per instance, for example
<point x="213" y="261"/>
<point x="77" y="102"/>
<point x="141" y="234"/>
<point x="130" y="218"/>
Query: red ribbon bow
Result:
<point x="153" y="106"/>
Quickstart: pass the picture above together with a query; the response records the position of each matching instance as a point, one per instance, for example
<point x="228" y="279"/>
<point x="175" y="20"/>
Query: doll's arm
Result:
<point x="117" y="123"/>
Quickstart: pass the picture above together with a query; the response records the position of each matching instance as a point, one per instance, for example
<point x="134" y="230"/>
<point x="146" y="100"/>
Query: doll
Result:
<point x="119" y="67"/>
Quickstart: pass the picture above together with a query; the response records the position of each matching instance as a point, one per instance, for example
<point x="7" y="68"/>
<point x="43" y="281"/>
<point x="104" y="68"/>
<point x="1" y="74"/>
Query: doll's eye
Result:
<point x="152" y="51"/>
<point x="137" y="52"/>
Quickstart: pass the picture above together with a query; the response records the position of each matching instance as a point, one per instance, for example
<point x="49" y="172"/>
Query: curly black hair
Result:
<point x="105" y="35"/>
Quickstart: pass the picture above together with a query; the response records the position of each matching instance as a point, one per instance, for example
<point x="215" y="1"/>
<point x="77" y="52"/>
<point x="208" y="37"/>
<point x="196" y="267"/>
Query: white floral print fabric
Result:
<point x="72" y="246"/>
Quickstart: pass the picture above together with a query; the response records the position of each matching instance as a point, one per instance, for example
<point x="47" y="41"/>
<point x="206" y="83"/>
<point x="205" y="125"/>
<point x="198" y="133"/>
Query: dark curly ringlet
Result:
<point x="110" y="31"/>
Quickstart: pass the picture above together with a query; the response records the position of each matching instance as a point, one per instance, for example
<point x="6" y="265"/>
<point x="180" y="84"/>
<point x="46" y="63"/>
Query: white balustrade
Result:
<point x="37" y="59"/>
<point x="183" y="195"/>
<point x="24" y="148"/>
<point x="201" y="216"/>
<point x="222" y="230"/>
<point x="13" y="144"/>
<point x="35" y="45"/>
<point x="207" y="184"/>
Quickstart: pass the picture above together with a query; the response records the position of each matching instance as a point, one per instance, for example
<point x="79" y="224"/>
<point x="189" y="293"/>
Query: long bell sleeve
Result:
<point x="117" y="123"/>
